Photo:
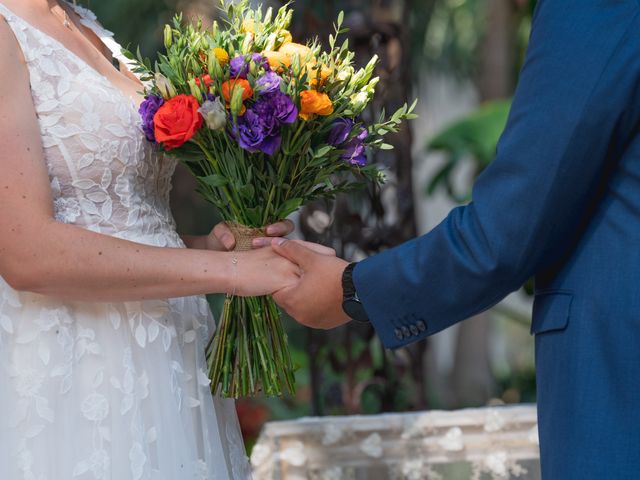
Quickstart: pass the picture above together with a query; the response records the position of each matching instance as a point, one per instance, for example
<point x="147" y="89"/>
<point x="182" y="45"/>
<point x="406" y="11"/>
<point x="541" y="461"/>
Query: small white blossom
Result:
<point x="214" y="114"/>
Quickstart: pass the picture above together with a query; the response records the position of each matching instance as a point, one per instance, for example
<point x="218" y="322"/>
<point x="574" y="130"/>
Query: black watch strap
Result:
<point x="351" y="304"/>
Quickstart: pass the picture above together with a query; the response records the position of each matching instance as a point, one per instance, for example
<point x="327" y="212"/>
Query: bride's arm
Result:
<point x="41" y="255"/>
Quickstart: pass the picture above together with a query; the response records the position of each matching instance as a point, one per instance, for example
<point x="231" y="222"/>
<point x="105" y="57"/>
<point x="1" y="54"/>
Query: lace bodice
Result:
<point x="104" y="175"/>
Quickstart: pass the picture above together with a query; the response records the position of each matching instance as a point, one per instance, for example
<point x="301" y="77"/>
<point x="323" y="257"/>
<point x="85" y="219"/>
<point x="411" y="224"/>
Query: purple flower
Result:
<point x="257" y="133"/>
<point x="340" y="131"/>
<point x="265" y="111"/>
<point x="148" y="110"/>
<point x="276" y="107"/>
<point x="283" y="107"/>
<point x="268" y="83"/>
<point x="239" y="66"/>
<point x="353" y="149"/>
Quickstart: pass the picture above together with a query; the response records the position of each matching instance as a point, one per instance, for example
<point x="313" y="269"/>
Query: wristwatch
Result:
<point x="351" y="304"/>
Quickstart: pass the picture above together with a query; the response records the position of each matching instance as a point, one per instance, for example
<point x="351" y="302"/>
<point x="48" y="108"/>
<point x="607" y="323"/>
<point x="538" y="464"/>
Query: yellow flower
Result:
<point x="277" y="59"/>
<point x="314" y="103"/>
<point x="248" y="25"/>
<point x="222" y="56"/>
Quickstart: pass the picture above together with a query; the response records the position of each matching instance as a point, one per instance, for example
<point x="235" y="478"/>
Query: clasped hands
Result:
<point x="314" y="297"/>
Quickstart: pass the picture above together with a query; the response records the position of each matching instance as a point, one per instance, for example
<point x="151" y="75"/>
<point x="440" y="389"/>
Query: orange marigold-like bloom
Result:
<point x="230" y="85"/>
<point x="314" y="103"/>
<point x="222" y="55"/>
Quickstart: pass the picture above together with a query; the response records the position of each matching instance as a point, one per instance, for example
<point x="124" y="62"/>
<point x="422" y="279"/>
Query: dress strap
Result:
<point x="89" y="20"/>
<point x="23" y="33"/>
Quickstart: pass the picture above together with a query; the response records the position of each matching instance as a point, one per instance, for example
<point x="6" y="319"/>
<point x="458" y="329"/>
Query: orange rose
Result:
<point x="277" y="59"/>
<point x="230" y="85"/>
<point x="292" y="48"/>
<point x="177" y="121"/>
<point x="312" y="73"/>
<point x="314" y="103"/>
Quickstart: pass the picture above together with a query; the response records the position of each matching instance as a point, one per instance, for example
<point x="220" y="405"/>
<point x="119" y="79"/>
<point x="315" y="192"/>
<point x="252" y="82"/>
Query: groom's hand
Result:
<point x="316" y="299"/>
<point x="221" y="237"/>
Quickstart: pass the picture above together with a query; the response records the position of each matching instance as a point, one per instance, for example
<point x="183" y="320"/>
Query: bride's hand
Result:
<point x="260" y="272"/>
<point x="221" y="238"/>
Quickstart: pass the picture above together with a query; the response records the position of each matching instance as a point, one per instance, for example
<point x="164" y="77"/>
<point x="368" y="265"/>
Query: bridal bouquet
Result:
<point x="265" y="125"/>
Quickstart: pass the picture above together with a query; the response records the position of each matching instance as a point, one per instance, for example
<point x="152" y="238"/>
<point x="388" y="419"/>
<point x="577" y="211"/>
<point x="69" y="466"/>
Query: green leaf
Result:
<point x="321" y="153"/>
<point x="248" y="191"/>
<point x="214" y="180"/>
<point x="290" y="206"/>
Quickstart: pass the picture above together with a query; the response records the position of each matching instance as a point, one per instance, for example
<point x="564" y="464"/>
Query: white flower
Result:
<point x="28" y="381"/>
<point x="259" y="455"/>
<point x="452" y="441"/>
<point x="95" y="407"/>
<point x="332" y="434"/>
<point x="496" y="463"/>
<point x="359" y="100"/>
<point x="372" y="445"/>
<point x="345" y="73"/>
<point x="412" y="469"/>
<point x="294" y="455"/>
<point x="214" y="113"/>
<point x="494" y="421"/>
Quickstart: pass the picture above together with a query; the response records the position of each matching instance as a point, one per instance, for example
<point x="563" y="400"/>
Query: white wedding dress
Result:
<point x="106" y="390"/>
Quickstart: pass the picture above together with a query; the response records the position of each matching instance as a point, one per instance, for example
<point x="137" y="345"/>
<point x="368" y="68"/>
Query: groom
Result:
<point x="561" y="202"/>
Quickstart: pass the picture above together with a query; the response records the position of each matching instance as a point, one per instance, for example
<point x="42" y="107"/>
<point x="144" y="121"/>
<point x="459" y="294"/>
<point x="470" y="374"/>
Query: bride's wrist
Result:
<point x="231" y="276"/>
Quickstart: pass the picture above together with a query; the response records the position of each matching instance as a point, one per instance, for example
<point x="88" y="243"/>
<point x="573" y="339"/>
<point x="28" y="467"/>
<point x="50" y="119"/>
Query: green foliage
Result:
<point x="474" y="138"/>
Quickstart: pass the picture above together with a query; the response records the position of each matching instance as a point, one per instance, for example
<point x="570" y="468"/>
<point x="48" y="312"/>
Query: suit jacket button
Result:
<point x="421" y="326"/>
<point x="405" y="331"/>
<point x="414" y="330"/>
<point x="398" y="334"/>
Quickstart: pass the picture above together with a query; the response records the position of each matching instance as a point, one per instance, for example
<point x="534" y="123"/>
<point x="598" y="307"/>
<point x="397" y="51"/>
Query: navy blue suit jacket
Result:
<point x="561" y="202"/>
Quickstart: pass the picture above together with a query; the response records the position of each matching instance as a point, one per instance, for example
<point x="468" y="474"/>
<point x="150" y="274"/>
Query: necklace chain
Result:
<point x="66" y="21"/>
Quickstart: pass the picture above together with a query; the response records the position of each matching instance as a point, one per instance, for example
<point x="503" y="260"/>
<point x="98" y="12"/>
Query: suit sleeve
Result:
<point x="574" y="112"/>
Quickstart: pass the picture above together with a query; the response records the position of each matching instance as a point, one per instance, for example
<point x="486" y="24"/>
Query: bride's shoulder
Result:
<point x="8" y="41"/>
<point x="12" y="60"/>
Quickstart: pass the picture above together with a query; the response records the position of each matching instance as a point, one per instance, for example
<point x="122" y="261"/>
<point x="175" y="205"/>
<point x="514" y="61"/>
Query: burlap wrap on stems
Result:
<point x="244" y="235"/>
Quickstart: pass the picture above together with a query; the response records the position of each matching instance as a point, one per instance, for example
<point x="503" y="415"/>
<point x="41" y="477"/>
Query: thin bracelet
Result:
<point x="234" y="261"/>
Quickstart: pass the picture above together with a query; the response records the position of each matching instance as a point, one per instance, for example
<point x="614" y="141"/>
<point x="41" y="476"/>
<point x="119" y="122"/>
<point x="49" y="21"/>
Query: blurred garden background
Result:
<point x="461" y="59"/>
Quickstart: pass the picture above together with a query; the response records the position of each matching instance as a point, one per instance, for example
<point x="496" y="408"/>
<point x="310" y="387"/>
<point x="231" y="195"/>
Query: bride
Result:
<point x="103" y="324"/>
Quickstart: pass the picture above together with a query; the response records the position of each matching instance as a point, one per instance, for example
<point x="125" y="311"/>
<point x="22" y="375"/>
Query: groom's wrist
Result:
<point x="351" y="304"/>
